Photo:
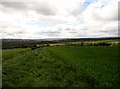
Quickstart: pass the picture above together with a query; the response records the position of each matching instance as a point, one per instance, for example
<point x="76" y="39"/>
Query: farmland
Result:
<point x="90" y="64"/>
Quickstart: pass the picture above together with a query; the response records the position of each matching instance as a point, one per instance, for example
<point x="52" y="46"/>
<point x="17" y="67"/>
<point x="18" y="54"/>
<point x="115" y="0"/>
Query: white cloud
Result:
<point x="59" y="19"/>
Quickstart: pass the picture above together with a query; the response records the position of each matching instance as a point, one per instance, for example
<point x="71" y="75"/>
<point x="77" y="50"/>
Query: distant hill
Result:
<point x="18" y="43"/>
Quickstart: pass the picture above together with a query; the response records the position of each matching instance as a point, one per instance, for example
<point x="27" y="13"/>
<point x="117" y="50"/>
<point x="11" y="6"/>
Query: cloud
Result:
<point x="44" y="8"/>
<point x="15" y="5"/>
<point x="59" y="19"/>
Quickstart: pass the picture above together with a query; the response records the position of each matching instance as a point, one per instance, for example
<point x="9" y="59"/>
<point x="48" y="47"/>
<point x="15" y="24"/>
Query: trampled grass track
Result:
<point x="62" y="67"/>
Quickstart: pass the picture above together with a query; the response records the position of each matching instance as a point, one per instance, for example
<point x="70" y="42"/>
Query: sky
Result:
<point x="41" y="19"/>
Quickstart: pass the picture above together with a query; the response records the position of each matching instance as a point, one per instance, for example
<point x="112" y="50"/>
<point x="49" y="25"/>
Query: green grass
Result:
<point x="89" y="67"/>
<point x="34" y="68"/>
<point x="11" y="53"/>
<point x="97" y="65"/>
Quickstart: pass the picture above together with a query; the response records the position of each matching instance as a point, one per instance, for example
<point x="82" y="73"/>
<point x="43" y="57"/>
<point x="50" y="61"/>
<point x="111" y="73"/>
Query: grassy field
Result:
<point x="61" y="66"/>
<point x="97" y="66"/>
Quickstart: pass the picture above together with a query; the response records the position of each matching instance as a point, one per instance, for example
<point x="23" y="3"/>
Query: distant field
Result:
<point x="61" y="66"/>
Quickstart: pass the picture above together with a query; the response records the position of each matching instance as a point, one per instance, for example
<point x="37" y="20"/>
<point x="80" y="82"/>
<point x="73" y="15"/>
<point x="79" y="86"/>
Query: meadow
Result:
<point x="61" y="66"/>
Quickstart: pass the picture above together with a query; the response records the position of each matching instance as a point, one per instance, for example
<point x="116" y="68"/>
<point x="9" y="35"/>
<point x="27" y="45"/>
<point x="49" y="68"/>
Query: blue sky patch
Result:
<point x="87" y="3"/>
<point x="36" y="23"/>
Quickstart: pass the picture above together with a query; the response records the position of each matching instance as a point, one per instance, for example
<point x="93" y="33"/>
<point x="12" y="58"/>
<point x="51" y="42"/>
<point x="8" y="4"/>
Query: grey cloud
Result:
<point x="3" y="27"/>
<point x="113" y="17"/>
<point x="112" y="32"/>
<point x="15" y="5"/>
<point x="104" y="31"/>
<point x="44" y="8"/>
<point x="109" y="32"/>
<point x="72" y="32"/>
<point x="77" y="11"/>
<point x="40" y="7"/>
<point x="81" y="35"/>
<point x="49" y="33"/>
<point x="12" y="34"/>
<point x="68" y="29"/>
<point x="19" y="32"/>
